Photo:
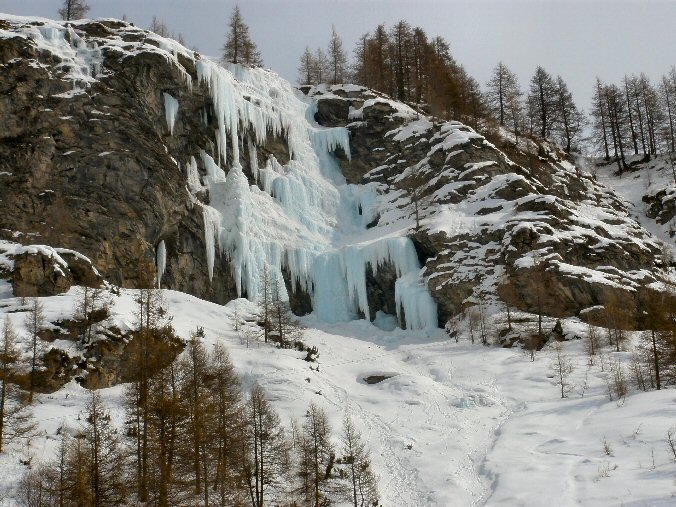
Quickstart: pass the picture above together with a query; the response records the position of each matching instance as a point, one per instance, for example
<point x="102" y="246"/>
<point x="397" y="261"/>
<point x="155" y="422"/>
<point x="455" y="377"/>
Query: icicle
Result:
<point x="253" y="158"/>
<point x="194" y="184"/>
<point x="161" y="261"/>
<point x="420" y="309"/>
<point x="211" y="235"/>
<point x="170" y="111"/>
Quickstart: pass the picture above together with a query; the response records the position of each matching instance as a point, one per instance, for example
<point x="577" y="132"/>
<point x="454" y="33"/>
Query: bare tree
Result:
<point x="285" y="327"/>
<point x="34" y="321"/>
<point x="599" y="116"/>
<point x="159" y="27"/>
<point x="569" y="119"/>
<point x="592" y="343"/>
<point x="473" y="321"/>
<point x="562" y="367"/>
<point x="92" y="306"/>
<point x="321" y="68"/>
<point x="542" y="102"/>
<point x="265" y="301"/>
<point x="74" y="9"/>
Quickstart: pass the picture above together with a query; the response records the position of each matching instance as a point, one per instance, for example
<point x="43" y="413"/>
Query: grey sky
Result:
<point x="575" y="38"/>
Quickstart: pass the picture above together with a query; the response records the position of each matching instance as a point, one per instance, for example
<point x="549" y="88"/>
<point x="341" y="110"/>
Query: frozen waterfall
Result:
<point x="300" y="216"/>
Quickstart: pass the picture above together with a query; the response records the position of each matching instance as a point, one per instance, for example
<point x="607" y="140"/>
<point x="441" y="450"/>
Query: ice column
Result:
<point x="170" y="111"/>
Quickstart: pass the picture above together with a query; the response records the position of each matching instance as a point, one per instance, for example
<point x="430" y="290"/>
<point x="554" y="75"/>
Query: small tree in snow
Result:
<point x="35" y="319"/>
<point x="473" y="321"/>
<point x="592" y="343"/>
<point x="562" y="367"/>
<point x="92" y="306"/>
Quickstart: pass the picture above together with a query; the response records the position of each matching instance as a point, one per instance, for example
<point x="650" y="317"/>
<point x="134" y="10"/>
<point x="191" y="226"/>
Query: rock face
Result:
<point x="90" y="164"/>
<point x="103" y="151"/>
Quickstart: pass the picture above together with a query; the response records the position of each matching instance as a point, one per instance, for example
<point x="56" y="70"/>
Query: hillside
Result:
<point x="382" y="227"/>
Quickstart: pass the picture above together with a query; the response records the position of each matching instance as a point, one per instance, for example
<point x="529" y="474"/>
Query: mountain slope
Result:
<point x="122" y="146"/>
<point x="131" y="146"/>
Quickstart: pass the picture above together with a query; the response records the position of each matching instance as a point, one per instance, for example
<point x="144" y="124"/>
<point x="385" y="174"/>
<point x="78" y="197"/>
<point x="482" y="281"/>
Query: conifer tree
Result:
<point x="149" y="346"/>
<point x="239" y="47"/>
<point x="15" y="417"/>
<point x="337" y="58"/>
<point x="74" y="9"/>
<point x="35" y="319"/>
<point x="268" y="449"/>
<point x="198" y="403"/>
<point x="106" y="467"/>
<point x="306" y="68"/>
<point x="401" y="39"/>
<point x="570" y="121"/>
<point x="229" y="425"/>
<point x="363" y="484"/>
<point x="503" y="90"/>
<point x="316" y="455"/>
<point x="541" y="103"/>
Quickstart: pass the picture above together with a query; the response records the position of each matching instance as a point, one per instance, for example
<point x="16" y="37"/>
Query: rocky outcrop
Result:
<point x="90" y="164"/>
<point x="520" y="220"/>
<point x="109" y="359"/>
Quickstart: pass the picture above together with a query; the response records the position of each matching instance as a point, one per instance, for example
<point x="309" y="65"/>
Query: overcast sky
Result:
<point x="577" y="39"/>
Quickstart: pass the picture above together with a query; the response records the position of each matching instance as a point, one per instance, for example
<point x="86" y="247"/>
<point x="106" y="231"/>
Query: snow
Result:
<point x="80" y="62"/>
<point x="170" y="111"/>
<point x="650" y="178"/>
<point x="455" y="424"/>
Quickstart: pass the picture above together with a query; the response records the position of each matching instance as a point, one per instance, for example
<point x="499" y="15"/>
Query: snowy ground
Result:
<point x="457" y="424"/>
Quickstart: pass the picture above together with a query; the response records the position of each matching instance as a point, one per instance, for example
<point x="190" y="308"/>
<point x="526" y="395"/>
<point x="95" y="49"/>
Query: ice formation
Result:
<point x="170" y="111"/>
<point x="301" y="216"/>
<point x="79" y="61"/>
<point x="161" y="261"/>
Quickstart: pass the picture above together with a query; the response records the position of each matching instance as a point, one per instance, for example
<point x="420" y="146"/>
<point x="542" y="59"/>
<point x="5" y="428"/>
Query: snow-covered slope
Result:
<point x="455" y="424"/>
<point x="649" y="190"/>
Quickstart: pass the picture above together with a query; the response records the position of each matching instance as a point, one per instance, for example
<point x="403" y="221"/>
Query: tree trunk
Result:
<point x="656" y="360"/>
